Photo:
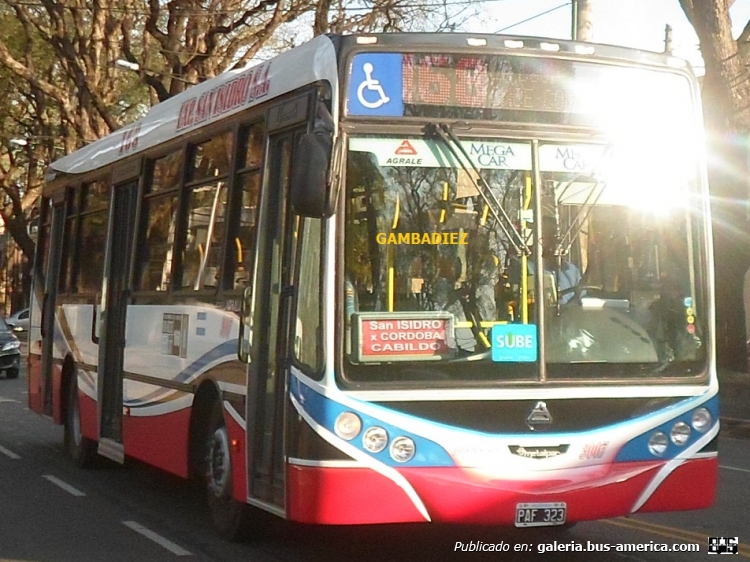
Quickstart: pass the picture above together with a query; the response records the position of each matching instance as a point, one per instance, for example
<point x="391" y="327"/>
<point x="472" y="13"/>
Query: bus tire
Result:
<point x="11" y="373"/>
<point x="80" y="449"/>
<point x="229" y="517"/>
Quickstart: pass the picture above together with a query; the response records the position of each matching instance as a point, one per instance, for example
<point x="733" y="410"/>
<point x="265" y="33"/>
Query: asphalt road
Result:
<point x="51" y="511"/>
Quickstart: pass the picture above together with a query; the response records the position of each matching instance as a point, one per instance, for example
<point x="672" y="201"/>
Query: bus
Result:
<point x="314" y="285"/>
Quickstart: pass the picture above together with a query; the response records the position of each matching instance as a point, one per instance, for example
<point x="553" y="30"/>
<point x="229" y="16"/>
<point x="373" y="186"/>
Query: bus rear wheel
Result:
<point x="228" y="516"/>
<point x="80" y="449"/>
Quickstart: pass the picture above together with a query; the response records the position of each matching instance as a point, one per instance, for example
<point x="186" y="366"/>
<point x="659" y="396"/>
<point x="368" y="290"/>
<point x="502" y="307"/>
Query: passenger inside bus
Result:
<point x="561" y="279"/>
<point x="566" y="274"/>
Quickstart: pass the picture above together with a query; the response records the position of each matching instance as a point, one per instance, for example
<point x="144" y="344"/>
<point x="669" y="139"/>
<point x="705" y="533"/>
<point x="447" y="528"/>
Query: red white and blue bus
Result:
<point x="313" y="283"/>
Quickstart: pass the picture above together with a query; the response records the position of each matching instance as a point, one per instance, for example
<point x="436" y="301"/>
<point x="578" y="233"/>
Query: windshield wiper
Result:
<point x="564" y="243"/>
<point x="445" y="134"/>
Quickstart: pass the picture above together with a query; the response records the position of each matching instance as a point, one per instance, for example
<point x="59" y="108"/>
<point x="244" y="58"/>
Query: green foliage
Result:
<point x="60" y="88"/>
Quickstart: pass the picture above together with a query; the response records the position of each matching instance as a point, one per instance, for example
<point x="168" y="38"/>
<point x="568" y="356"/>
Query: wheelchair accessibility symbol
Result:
<point x="375" y="91"/>
<point x="376" y="85"/>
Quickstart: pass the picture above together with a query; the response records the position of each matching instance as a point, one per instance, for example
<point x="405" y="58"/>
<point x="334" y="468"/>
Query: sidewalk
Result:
<point x="734" y="395"/>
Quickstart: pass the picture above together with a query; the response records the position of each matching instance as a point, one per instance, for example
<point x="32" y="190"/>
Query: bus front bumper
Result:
<point x="360" y="495"/>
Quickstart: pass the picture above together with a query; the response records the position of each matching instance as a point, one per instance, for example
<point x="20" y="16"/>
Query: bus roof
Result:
<point x="214" y="99"/>
<point x="316" y="60"/>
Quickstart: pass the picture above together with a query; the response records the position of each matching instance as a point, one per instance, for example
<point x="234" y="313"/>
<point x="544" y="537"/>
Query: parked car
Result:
<point x="10" y="352"/>
<point x="19" y="322"/>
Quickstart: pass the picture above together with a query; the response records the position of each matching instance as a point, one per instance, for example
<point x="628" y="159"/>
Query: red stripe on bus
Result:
<point x="597" y="492"/>
<point x="346" y="496"/>
<point x="34" y="383"/>
<point x="237" y="450"/>
<point x="161" y="441"/>
<point x="329" y="495"/>
<point x="691" y="485"/>
<point x="88" y="412"/>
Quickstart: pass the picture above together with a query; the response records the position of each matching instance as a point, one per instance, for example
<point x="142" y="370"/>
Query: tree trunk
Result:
<point x="585" y="20"/>
<point x="725" y="85"/>
<point x="726" y="92"/>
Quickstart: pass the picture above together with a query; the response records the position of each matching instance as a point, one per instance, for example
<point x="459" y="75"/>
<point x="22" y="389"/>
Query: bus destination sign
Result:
<point x="391" y="84"/>
<point x="403" y="336"/>
<point x="481" y="82"/>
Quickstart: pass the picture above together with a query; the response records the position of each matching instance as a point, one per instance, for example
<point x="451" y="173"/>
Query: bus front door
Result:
<point x="268" y="367"/>
<point x="112" y="318"/>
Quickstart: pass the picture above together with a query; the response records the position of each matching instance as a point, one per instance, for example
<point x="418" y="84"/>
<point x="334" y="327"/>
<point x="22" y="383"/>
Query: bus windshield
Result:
<point x="437" y="288"/>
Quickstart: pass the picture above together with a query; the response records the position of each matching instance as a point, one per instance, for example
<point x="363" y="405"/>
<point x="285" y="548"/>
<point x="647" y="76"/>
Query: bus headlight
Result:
<point x="402" y="449"/>
<point x="375" y="439"/>
<point x="701" y="420"/>
<point x="348" y="425"/>
<point x="680" y="433"/>
<point x="657" y="444"/>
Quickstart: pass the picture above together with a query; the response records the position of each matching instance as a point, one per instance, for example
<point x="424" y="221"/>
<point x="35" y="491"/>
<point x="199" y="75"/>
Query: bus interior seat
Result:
<point x="550" y="288"/>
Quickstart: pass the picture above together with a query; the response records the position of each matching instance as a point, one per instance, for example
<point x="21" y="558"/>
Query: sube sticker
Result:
<point x="514" y="343"/>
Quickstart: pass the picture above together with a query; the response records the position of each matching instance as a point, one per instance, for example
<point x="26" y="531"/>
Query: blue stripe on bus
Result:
<point x="637" y="448"/>
<point x="224" y="349"/>
<point x="325" y="411"/>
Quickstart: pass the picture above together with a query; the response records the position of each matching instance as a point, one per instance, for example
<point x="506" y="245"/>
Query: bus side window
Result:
<point x="158" y="223"/>
<point x="245" y="198"/>
<point x="160" y="214"/>
<point x="241" y="275"/>
<point x="243" y="249"/>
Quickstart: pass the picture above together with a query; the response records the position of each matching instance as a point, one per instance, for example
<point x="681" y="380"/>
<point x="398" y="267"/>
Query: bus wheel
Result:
<point x="228" y="516"/>
<point x="11" y="373"/>
<point x="80" y="449"/>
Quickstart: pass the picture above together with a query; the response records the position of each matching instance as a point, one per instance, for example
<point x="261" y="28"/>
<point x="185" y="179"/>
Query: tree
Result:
<point x="726" y="81"/>
<point x="60" y="88"/>
<point x="726" y="105"/>
<point x="583" y="19"/>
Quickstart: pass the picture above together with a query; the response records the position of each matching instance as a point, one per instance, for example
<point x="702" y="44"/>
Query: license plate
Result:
<point x="541" y="514"/>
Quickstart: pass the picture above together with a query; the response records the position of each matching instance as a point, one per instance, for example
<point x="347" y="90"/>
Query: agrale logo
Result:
<point x="405" y="154"/>
<point x="539" y="415"/>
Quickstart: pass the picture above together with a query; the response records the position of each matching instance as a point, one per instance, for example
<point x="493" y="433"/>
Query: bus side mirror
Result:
<point x="310" y="191"/>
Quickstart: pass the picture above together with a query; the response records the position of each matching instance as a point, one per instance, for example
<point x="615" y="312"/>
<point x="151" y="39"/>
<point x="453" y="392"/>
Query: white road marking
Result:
<point x="175" y="549"/>
<point x="734" y="468"/>
<point x="65" y="486"/>
<point x="8" y="453"/>
<point x="4" y="399"/>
